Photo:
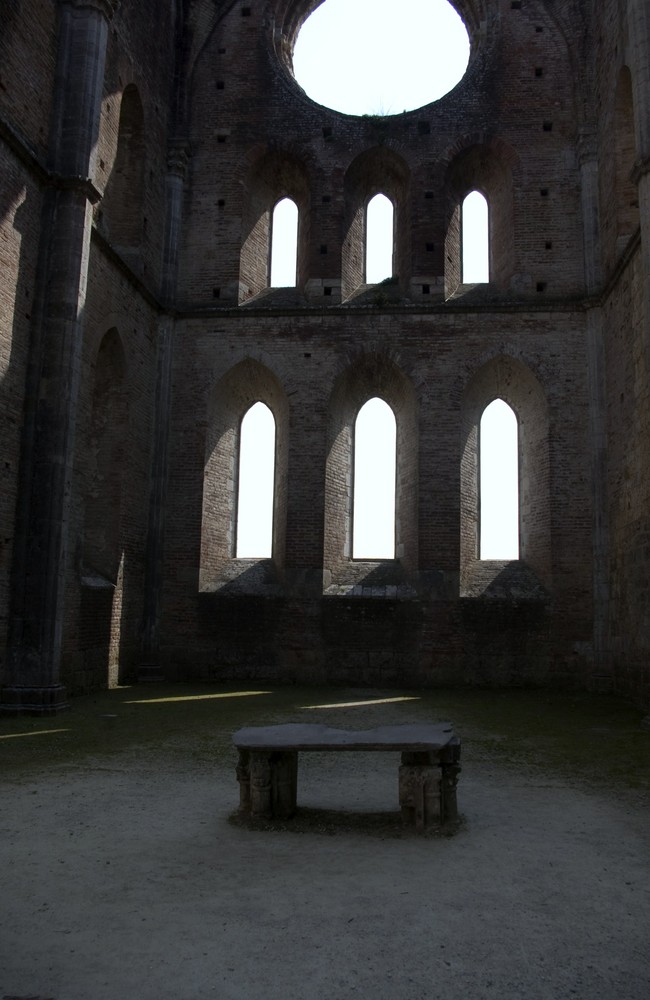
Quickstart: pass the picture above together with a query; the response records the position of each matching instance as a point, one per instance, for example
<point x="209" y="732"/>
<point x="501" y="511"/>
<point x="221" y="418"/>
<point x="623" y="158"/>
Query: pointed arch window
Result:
<point x="373" y="518"/>
<point x="256" y="476"/>
<point x="284" y="244"/>
<point x="475" y="246"/>
<point x="379" y="239"/>
<point x="124" y="196"/>
<point x="499" y="482"/>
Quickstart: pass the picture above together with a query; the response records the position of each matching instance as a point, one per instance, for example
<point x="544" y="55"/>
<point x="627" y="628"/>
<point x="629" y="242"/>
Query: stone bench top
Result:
<point x="309" y="736"/>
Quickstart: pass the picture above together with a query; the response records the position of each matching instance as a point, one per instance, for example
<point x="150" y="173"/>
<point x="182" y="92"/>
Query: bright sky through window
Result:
<point x="499" y="485"/>
<point x="255" y="487"/>
<point x="374" y="482"/>
<point x="379" y="239"/>
<point x="284" y="243"/>
<point x="355" y="56"/>
<point x="476" y="247"/>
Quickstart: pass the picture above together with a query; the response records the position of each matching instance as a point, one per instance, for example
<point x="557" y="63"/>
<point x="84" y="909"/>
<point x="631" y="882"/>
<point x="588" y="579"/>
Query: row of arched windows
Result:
<point x="379" y="242"/>
<point x="373" y="489"/>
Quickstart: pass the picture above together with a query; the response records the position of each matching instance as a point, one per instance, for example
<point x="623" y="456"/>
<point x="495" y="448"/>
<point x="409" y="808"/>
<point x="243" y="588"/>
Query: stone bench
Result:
<point x="267" y="770"/>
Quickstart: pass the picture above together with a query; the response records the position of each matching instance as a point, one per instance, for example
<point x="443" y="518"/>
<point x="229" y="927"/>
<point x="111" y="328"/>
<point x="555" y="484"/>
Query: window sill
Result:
<point x="502" y="580"/>
<point x="380" y="578"/>
<point x="246" y="577"/>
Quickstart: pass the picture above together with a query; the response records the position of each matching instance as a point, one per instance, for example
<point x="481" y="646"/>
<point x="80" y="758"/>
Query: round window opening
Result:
<point x="380" y="57"/>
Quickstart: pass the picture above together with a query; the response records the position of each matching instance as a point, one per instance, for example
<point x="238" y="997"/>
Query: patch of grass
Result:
<point x="593" y="739"/>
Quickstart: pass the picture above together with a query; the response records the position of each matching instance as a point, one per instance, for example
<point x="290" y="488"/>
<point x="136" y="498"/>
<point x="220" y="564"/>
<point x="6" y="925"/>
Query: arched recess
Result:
<point x="247" y="383"/>
<point x="123" y="205"/>
<point x="509" y="379"/>
<point x="485" y="167"/>
<point x="377" y="171"/>
<point x="627" y="195"/>
<point x="369" y="376"/>
<point x="104" y="463"/>
<point x="275" y="176"/>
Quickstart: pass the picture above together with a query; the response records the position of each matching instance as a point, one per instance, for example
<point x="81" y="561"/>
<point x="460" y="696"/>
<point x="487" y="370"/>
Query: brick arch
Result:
<point x="246" y="383"/>
<point x="273" y="175"/>
<point x="375" y="171"/>
<point x="366" y="376"/>
<point x="123" y="203"/>
<point x="485" y="165"/>
<point x="505" y="377"/>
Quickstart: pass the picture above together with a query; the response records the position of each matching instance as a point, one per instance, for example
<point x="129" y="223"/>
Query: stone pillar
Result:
<point x="638" y="55"/>
<point x="589" y="187"/>
<point x="595" y="350"/>
<point x="638" y="25"/>
<point x="177" y="164"/>
<point x="39" y="569"/>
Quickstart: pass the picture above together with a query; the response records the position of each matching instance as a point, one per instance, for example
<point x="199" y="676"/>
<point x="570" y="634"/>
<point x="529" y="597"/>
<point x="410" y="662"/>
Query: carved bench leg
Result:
<point x="284" y="781"/>
<point x="271" y="786"/>
<point x="260" y="785"/>
<point x="450" y="768"/>
<point x="244" y="779"/>
<point x="420" y="791"/>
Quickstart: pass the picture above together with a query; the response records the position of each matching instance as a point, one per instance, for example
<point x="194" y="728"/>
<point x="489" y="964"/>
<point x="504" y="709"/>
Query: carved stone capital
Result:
<point x="178" y="158"/>
<point x="640" y="169"/>
<point x="105" y="7"/>
<point x="587" y="145"/>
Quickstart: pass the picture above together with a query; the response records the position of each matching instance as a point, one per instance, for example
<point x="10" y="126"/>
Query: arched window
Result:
<point x="379" y="239"/>
<point x="255" y="484"/>
<point x="284" y="243"/>
<point x="499" y="482"/>
<point x="373" y="519"/>
<point x="124" y="198"/>
<point x="475" y="239"/>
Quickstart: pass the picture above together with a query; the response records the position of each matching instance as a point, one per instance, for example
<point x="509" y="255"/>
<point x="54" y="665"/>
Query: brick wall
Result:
<point x="549" y="95"/>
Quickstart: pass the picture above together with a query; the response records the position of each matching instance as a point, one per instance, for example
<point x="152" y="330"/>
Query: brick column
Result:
<point x="638" y="17"/>
<point x="177" y="164"/>
<point x="39" y="569"/>
<point x="595" y="354"/>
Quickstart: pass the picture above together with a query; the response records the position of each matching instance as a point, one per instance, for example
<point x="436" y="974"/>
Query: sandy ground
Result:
<point x="122" y="876"/>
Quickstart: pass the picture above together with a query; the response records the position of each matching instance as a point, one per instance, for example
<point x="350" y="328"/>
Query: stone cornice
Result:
<point x="24" y="152"/>
<point x="106" y="7"/>
<point x="83" y="185"/>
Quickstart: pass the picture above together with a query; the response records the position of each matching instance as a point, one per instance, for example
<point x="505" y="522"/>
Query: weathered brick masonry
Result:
<point x="142" y="150"/>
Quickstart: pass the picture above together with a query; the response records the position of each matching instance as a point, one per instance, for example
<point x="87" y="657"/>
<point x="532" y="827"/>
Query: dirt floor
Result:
<point x="124" y="877"/>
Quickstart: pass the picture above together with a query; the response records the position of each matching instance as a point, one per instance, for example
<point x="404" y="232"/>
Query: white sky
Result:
<point x="373" y="530"/>
<point x="355" y="56"/>
<point x="383" y="66"/>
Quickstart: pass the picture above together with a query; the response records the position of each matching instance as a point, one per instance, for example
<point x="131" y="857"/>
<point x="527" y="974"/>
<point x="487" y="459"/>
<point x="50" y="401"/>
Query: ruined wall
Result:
<point x="103" y="610"/>
<point x="550" y="123"/>
<point x="435" y="614"/>
<point x="407" y="621"/>
<point x="625" y="235"/>
<point x="26" y="86"/>
<point x="115" y="422"/>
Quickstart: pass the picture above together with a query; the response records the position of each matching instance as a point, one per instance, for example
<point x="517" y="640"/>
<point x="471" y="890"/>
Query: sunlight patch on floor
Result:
<point x="36" y="732"/>
<point x="196" y="697"/>
<point x="360" y="704"/>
